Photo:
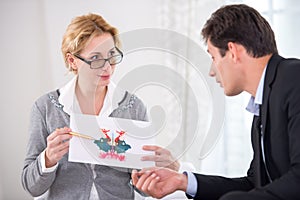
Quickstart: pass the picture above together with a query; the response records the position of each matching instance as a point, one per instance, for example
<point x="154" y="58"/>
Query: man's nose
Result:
<point x="212" y="73"/>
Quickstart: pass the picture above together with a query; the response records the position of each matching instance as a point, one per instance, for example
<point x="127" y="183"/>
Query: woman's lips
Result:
<point x="104" y="77"/>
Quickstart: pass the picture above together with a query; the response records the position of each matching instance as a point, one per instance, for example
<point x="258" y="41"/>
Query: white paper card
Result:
<point x="118" y="142"/>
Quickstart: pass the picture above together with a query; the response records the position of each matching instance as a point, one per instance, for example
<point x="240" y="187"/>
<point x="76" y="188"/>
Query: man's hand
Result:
<point x="159" y="182"/>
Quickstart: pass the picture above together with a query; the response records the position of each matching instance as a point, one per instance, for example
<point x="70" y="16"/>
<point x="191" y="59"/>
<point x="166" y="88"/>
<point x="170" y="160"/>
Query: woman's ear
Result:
<point x="72" y="62"/>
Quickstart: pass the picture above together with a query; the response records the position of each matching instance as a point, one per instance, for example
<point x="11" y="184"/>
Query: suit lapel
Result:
<point x="269" y="78"/>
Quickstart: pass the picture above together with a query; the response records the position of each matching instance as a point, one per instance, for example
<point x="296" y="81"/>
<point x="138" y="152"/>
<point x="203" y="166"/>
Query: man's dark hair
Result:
<point x="243" y="25"/>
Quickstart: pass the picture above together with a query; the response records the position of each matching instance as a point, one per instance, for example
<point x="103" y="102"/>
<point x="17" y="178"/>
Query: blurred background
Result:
<point x="32" y="64"/>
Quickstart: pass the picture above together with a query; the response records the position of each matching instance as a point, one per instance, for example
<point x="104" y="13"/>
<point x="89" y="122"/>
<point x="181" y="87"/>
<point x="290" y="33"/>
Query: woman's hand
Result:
<point x="57" y="146"/>
<point x="162" y="157"/>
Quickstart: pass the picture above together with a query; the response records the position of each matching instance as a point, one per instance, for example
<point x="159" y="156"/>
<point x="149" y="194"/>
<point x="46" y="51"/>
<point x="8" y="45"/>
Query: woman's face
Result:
<point x="100" y="47"/>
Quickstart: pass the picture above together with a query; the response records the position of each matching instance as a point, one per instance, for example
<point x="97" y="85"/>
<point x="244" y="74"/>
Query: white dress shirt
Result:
<point x="69" y="100"/>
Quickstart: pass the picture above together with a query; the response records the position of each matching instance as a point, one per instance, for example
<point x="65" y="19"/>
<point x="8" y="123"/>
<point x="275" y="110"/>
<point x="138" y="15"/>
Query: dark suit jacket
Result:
<point x="280" y="120"/>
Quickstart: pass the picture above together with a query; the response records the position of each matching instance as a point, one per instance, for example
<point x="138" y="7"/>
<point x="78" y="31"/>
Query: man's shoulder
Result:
<point x="291" y="63"/>
<point x="289" y="67"/>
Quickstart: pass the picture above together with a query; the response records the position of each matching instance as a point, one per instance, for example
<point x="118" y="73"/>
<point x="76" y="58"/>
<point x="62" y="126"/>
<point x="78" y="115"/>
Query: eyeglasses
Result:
<point x="99" y="63"/>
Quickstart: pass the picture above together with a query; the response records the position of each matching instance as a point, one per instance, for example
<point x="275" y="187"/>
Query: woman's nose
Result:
<point x="106" y="66"/>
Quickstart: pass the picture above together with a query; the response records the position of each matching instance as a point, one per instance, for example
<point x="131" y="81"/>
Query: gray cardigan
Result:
<point x="73" y="180"/>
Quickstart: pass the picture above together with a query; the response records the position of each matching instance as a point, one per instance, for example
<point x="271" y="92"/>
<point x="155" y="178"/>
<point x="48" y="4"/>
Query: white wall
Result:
<point x="23" y="71"/>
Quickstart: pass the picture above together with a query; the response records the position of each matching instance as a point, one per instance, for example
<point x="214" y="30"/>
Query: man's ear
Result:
<point x="233" y="49"/>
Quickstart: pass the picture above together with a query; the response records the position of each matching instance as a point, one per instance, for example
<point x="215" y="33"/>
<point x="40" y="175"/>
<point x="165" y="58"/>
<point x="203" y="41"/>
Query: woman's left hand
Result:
<point x="162" y="157"/>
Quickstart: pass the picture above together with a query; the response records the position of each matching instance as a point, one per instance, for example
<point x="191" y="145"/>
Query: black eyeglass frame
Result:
<point x="89" y="62"/>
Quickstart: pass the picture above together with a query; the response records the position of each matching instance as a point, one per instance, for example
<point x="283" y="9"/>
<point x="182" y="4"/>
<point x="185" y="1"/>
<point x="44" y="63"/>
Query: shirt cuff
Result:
<point x="186" y="166"/>
<point x="192" y="184"/>
<point x="43" y="163"/>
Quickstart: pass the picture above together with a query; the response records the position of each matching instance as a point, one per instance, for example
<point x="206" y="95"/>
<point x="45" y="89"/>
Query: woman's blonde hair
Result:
<point x="81" y="30"/>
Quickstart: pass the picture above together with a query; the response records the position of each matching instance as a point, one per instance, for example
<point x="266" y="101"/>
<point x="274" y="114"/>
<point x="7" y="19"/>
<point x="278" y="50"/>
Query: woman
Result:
<point x="91" y="51"/>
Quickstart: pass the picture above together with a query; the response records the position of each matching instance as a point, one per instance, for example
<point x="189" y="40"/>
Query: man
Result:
<point x="244" y="54"/>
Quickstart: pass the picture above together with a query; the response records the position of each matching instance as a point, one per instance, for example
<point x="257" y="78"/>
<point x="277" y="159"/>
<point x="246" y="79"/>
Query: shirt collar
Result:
<point x="70" y="103"/>
<point x="255" y="102"/>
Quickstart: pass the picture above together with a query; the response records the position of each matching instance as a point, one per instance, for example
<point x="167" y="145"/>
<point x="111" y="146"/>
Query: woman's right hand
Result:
<point x="57" y="145"/>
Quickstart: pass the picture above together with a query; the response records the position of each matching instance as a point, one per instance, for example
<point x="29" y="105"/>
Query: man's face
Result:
<point x="225" y="70"/>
